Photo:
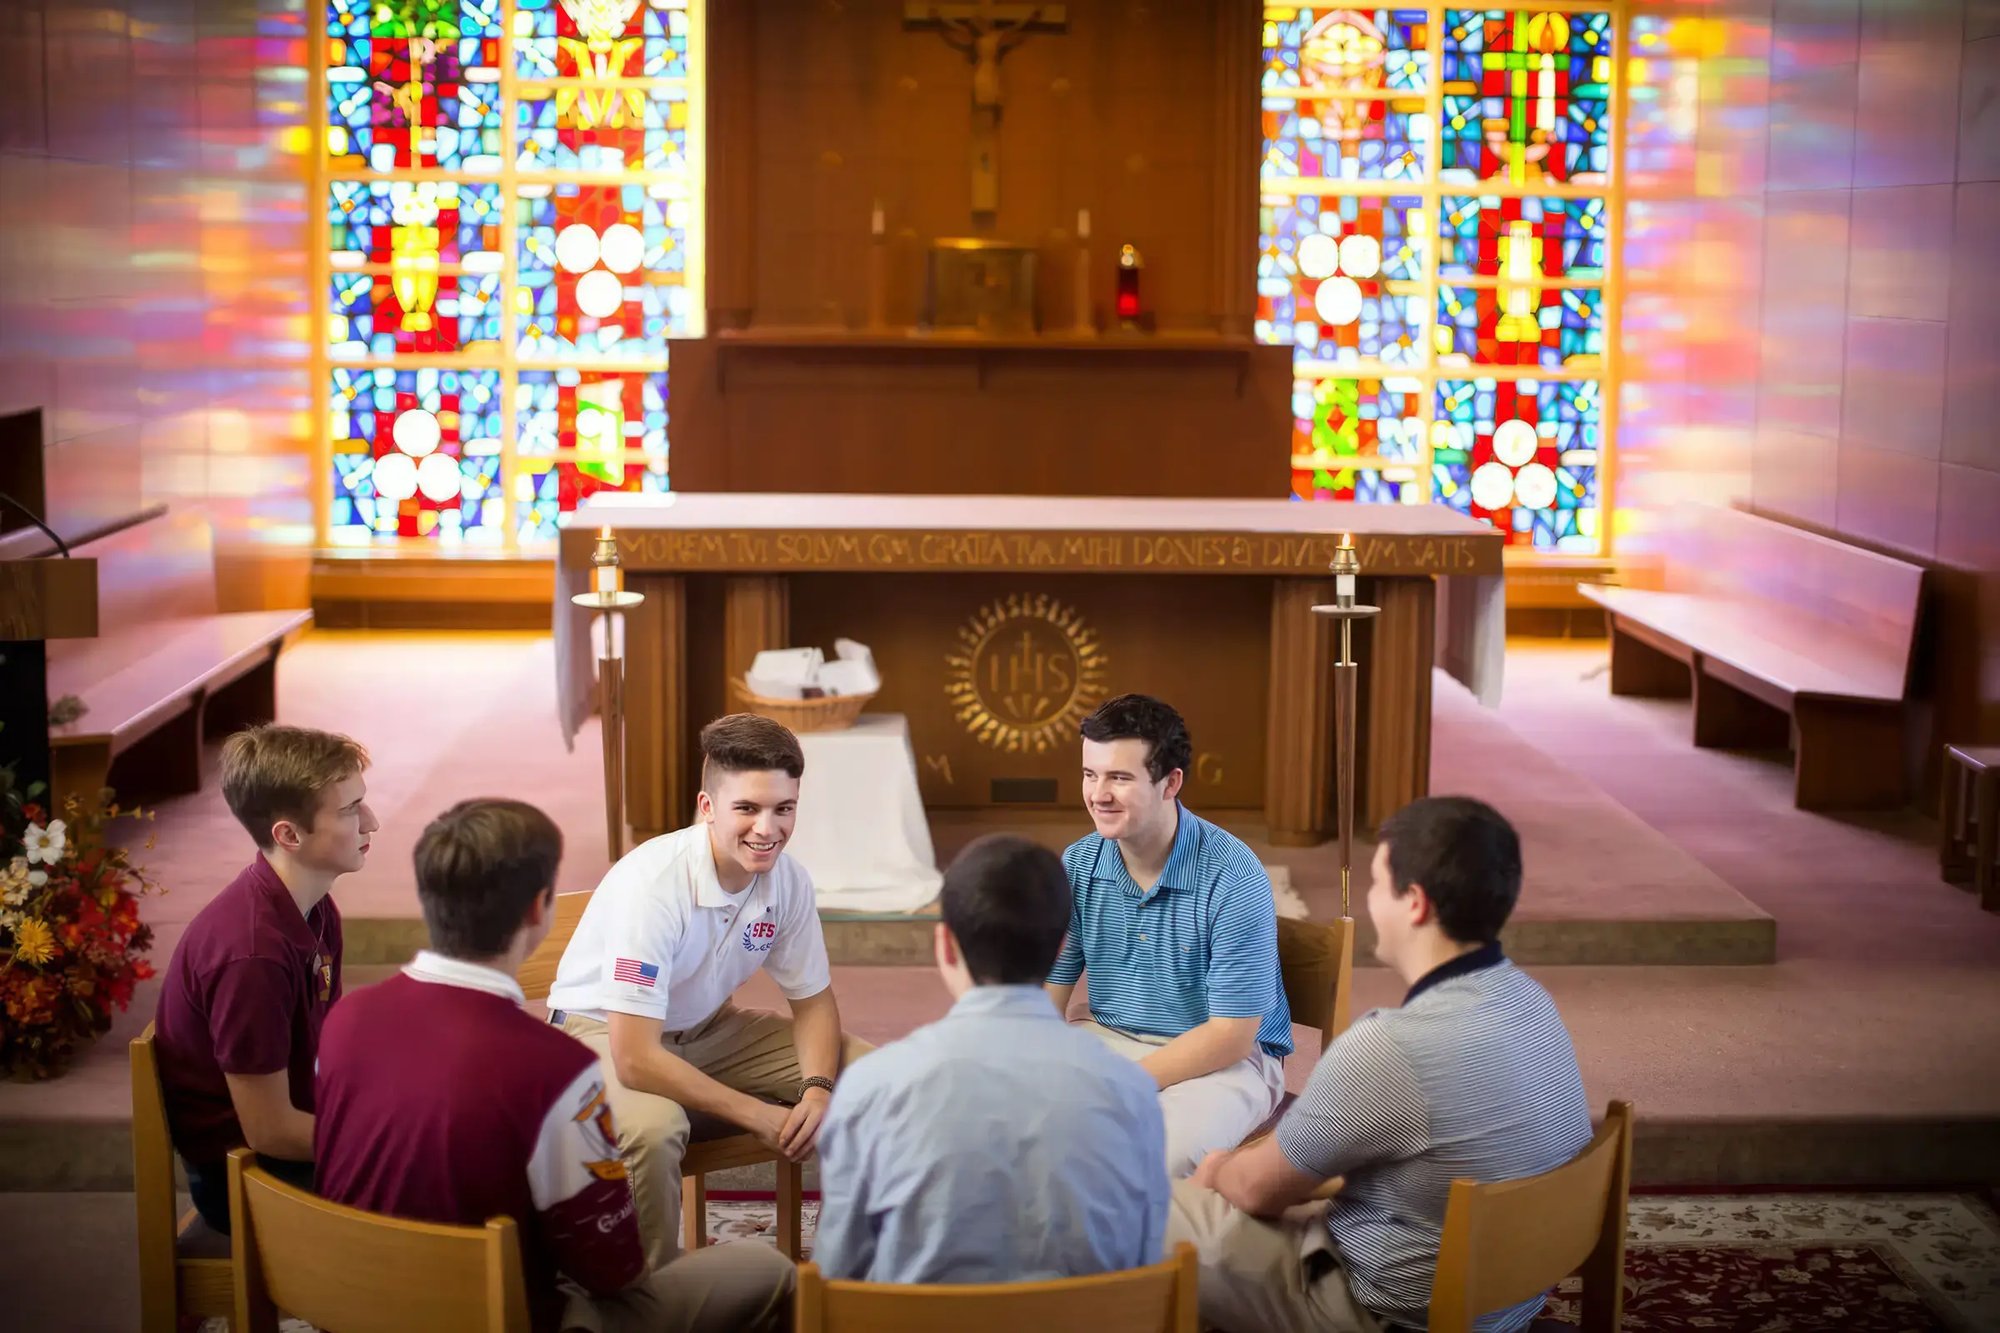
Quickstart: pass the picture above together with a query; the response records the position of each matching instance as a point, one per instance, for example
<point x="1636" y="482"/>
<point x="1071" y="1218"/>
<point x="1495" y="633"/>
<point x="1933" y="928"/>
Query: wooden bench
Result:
<point x="1758" y="621"/>
<point x="166" y="670"/>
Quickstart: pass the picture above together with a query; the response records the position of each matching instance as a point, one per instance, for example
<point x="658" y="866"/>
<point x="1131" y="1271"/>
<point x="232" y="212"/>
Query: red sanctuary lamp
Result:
<point x="1129" y="264"/>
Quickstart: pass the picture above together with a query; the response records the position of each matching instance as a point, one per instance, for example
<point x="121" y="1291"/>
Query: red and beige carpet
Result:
<point x="1732" y="1263"/>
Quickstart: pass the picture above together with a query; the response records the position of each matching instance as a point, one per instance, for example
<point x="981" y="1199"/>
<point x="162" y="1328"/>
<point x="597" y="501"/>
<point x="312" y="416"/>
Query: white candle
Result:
<point x="1343" y="586"/>
<point x="604" y="578"/>
<point x="875" y="222"/>
<point x="1083" y="224"/>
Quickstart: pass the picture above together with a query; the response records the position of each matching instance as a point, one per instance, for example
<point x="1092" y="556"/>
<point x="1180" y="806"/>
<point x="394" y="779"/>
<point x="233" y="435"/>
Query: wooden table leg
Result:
<point x="1951" y="814"/>
<point x="756" y="616"/>
<point x="1985" y="876"/>
<point x="657" y="795"/>
<point x="1298" y="768"/>
<point x="1395" y="759"/>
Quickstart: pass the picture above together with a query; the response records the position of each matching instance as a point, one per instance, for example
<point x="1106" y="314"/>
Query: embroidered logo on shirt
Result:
<point x="322" y="967"/>
<point x="758" y="935"/>
<point x="634" y="972"/>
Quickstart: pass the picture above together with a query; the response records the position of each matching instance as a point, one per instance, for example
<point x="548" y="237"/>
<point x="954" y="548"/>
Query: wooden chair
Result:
<point x="1157" y="1299"/>
<point x="1507" y="1241"/>
<point x="184" y="1266"/>
<point x="341" y="1268"/>
<point x="704" y="1155"/>
<point x="1316" y="963"/>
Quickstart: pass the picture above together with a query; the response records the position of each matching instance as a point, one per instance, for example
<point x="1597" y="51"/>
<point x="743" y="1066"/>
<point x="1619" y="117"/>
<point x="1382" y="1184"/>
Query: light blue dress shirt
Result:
<point x="998" y="1144"/>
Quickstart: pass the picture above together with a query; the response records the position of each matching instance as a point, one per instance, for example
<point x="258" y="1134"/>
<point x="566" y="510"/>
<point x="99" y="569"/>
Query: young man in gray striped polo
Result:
<point x="1473" y="1077"/>
<point x="1174" y="923"/>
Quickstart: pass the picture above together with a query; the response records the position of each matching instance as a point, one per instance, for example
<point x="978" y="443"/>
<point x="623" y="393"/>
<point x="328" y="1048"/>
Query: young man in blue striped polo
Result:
<point x="1175" y="925"/>
<point x="1473" y="1077"/>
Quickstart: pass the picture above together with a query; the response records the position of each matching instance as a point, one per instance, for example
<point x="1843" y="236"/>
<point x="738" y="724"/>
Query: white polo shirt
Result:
<point x="660" y="939"/>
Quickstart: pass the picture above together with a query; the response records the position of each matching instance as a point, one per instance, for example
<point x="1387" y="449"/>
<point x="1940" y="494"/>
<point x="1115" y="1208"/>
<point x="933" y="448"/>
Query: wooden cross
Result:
<point x="985" y="31"/>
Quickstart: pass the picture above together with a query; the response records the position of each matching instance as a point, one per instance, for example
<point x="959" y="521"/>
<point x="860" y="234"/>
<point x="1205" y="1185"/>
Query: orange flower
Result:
<point x="34" y="942"/>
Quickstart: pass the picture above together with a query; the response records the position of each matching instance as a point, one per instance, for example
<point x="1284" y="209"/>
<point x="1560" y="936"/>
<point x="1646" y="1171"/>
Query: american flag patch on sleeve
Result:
<point x="635" y="972"/>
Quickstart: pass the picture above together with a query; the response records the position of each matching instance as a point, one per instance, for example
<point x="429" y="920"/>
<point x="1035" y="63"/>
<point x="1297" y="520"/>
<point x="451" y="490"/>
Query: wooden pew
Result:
<point x="166" y="670"/>
<point x="1761" y="622"/>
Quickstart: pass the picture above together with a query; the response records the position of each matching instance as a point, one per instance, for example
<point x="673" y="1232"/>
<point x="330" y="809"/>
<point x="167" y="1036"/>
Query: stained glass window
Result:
<point x="1435" y="243"/>
<point x="512" y="234"/>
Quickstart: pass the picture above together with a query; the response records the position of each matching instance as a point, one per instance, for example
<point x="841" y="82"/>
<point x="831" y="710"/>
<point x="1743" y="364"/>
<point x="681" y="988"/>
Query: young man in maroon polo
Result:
<point x="441" y="1099"/>
<point x="252" y="979"/>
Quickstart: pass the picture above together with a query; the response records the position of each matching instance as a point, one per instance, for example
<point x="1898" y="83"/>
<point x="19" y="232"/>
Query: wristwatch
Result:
<point x="816" y="1081"/>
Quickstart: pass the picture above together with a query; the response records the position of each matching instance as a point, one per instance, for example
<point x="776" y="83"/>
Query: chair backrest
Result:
<point x="1317" y="964"/>
<point x="1156" y="1299"/>
<point x="1508" y="1241"/>
<point x="538" y="973"/>
<point x="359" y="1272"/>
<point x="153" y="1181"/>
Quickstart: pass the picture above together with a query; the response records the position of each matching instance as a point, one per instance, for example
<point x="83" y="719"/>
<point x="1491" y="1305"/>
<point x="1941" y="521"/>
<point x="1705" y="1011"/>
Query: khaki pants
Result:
<point x="1258" y="1275"/>
<point x="748" y="1050"/>
<point x="744" y="1287"/>
<point x="1212" y="1113"/>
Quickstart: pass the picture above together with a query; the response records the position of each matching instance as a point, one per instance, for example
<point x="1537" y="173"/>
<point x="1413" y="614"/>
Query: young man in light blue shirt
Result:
<point x="997" y="1144"/>
<point x="1175" y="924"/>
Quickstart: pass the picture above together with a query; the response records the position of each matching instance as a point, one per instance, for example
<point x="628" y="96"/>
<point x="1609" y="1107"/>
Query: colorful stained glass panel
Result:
<point x="416" y="453"/>
<point x="1339" y="419"/>
<point x="577" y="127"/>
<point x="1521" y="325"/>
<point x="413" y="85"/>
<point x="1490" y="236"/>
<point x="1523" y="455"/>
<point x="601" y="39"/>
<point x="370" y="220"/>
<point x="1345" y="50"/>
<point x="1340" y="277"/>
<point x="1526" y="96"/>
<point x="601" y="268"/>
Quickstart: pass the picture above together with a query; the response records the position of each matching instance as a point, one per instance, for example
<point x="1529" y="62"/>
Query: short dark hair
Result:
<point x="1467" y="857"/>
<point x="1007" y="902"/>
<point x="479" y="866"/>
<point x="1142" y="717"/>
<point x="747" y="743"/>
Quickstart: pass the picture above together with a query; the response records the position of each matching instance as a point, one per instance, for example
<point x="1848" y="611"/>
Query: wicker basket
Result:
<point x="836" y="713"/>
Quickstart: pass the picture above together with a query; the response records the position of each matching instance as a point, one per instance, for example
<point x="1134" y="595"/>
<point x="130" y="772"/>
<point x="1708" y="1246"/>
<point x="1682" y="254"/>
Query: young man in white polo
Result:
<point x="675" y="928"/>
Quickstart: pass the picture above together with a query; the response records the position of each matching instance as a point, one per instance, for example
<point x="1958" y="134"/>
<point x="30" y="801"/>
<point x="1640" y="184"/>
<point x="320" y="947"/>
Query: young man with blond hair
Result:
<point x="670" y="934"/>
<point x="442" y="1100"/>
<point x="252" y="979"/>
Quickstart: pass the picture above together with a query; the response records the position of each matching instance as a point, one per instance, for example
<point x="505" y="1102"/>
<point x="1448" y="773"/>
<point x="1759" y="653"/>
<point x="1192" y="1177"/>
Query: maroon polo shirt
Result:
<point x="443" y="1102"/>
<point x="249" y="985"/>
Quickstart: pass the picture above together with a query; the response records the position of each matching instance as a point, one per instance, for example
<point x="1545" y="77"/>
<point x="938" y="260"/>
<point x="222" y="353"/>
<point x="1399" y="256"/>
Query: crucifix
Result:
<point x="984" y="31"/>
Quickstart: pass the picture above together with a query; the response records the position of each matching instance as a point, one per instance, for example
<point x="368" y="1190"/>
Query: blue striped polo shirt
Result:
<point x="1202" y="944"/>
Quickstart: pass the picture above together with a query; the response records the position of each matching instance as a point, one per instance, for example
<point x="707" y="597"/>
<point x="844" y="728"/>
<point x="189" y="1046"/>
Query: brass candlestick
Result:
<point x="607" y="597"/>
<point x="1346" y="569"/>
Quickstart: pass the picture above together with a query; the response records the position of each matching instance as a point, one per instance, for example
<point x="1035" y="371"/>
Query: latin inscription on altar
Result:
<point x="1164" y="552"/>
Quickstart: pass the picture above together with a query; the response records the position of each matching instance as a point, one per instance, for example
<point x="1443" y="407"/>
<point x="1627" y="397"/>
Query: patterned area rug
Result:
<point x="1769" y="1263"/>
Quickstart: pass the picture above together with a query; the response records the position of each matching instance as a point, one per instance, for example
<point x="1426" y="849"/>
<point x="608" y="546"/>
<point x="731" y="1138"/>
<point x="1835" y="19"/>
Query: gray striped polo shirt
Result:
<point x="1473" y="1078"/>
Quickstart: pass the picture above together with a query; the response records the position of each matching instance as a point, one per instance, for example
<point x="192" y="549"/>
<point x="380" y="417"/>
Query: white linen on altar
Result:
<point x="861" y="833"/>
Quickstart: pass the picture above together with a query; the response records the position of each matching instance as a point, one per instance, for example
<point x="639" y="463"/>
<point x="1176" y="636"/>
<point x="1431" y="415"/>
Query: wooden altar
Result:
<point x="999" y="622"/>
